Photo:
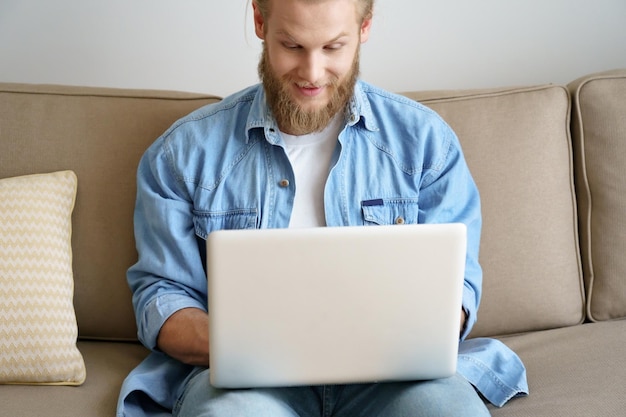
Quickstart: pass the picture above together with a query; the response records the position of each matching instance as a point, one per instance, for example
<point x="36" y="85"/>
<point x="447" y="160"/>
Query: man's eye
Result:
<point x="333" y="47"/>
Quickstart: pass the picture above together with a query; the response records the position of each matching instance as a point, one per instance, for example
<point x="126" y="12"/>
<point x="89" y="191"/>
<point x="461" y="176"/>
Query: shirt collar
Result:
<point x="260" y="116"/>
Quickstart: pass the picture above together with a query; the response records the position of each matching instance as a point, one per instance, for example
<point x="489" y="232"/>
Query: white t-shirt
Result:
<point x="310" y="156"/>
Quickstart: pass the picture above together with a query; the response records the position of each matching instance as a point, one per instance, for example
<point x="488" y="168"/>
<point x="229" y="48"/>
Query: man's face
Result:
<point x="310" y="59"/>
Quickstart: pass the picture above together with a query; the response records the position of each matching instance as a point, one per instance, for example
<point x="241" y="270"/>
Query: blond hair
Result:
<point x="365" y="7"/>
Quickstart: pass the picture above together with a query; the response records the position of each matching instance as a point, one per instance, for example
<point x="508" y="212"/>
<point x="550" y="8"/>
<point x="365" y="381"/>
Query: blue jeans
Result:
<point x="452" y="396"/>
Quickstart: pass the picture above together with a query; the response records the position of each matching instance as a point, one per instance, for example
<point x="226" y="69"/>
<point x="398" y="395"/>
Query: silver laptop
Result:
<point x="334" y="305"/>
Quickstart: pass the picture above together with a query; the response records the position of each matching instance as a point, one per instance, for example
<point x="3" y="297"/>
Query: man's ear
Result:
<point x="365" y="29"/>
<point x="259" y="22"/>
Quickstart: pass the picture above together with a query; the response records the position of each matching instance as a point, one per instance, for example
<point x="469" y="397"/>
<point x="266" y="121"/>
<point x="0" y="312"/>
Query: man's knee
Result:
<point x="200" y="399"/>
<point x="452" y="396"/>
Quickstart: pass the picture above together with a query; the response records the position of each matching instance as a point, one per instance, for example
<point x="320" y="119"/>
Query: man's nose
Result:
<point x="312" y="68"/>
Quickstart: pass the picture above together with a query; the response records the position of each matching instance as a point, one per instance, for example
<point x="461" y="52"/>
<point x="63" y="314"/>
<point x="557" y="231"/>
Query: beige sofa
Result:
<point x="550" y="165"/>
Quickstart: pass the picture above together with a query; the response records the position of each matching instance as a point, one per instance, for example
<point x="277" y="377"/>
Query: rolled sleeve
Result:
<point x="158" y="310"/>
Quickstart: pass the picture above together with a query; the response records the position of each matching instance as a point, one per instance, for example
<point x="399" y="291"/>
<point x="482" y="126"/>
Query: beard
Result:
<point x="291" y="117"/>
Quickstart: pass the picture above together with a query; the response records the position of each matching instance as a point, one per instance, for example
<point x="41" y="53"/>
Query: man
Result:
<point x="304" y="149"/>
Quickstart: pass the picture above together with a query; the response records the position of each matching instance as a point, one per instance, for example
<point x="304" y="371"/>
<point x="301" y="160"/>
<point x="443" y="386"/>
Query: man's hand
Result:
<point x="463" y="318"/>
<point x="185" y="336"/>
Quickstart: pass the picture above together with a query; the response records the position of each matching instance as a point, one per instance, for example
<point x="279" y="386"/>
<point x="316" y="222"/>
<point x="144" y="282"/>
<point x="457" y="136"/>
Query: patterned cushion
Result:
<point x="38" y="328"/>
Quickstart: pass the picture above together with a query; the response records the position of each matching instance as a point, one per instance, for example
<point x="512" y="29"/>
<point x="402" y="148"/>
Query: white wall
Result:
<point x="209" y="45"/>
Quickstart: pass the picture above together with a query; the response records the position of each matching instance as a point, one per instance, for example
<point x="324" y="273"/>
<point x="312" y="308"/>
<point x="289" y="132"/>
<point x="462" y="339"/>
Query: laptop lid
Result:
<point x="334" y="305"/>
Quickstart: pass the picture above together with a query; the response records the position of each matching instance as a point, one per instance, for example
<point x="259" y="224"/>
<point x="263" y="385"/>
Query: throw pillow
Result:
<point x="38" y="329"/>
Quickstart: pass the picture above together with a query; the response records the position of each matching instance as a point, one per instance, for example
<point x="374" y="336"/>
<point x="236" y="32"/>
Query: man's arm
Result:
<point x="169" y="276"/>
<point x="185" y="336"/>
<point x="449" y="195"/>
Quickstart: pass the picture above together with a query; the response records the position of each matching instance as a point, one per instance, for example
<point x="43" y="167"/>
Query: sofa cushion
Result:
<point x="572" y="372"/>
<point x="599" y="137"/>
<point x="517" y="144"/>
<point x="100" y="134"/>
<point x="38" y="328"/>
<point x="108" y="363"/>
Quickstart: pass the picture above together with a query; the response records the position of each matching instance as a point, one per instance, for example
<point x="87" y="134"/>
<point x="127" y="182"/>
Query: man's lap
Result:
<point x="448" y="396"/>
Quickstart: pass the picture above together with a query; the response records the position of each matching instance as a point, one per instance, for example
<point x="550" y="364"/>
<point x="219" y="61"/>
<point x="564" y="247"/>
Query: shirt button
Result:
<point x="400" y="220"/>
<point x="284" y="183"/>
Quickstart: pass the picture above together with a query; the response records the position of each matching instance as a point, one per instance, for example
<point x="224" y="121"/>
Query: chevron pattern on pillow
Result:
<point x="38" y="329"/>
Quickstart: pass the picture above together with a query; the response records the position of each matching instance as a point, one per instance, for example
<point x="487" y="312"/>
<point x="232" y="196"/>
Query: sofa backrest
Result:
<point x="599" y="137"/>
<point x="100" y="134"/>
<point x="516" y="141"/>
<point x="517" y="144"/>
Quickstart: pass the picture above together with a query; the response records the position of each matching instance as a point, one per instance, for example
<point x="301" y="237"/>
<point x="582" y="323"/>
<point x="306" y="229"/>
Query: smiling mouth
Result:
<point x="310" y="91"/>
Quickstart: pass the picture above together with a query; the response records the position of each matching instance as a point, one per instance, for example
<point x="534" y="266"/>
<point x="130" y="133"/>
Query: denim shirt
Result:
<point x="224" y="167"/>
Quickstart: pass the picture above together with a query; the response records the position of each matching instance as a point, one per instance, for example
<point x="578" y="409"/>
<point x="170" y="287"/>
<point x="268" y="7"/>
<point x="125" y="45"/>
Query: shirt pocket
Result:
<point x="387" y="211"/>
<point x="206" y="222"/>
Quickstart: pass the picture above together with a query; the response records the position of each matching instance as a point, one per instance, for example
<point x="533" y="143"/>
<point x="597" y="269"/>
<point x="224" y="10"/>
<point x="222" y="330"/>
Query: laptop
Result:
<point x="334" y="305"/>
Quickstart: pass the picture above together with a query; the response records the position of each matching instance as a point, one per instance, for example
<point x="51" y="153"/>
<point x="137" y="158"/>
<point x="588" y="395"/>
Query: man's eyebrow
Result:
<point x="287" y="35"/>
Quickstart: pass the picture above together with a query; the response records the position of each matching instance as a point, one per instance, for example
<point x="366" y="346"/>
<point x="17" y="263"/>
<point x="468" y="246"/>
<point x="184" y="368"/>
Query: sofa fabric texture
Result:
<point x="548" y="162"/>
<point x="517" y="145"/>
<point x="99" y="134"/>
<point x="599" y="129"/>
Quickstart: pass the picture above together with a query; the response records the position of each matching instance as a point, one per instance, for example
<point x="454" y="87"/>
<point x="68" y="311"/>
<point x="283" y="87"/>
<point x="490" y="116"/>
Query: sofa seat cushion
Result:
<point x="108" y="363"/>
<point x="599" y="137"/>
<point x="517" y="145"/>
<point x="574" y="371"/>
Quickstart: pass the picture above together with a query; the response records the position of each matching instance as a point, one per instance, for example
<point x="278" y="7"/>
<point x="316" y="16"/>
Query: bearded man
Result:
<point x="303" y="149"/>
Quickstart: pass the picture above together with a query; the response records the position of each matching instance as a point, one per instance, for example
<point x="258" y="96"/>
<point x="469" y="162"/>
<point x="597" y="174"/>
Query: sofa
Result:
<point x="549" y="162"/>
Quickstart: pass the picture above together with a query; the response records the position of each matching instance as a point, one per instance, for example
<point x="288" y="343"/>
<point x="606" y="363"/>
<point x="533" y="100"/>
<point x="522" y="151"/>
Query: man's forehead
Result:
<point x="306" y="1"/>
<point x="271" y="5"/>
<point x="289" y="17"/>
